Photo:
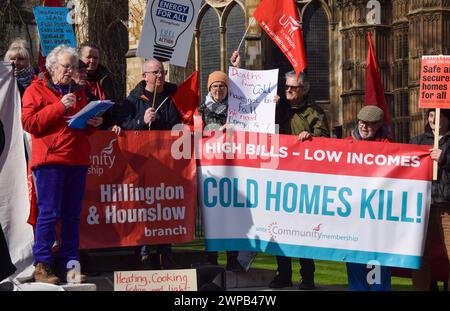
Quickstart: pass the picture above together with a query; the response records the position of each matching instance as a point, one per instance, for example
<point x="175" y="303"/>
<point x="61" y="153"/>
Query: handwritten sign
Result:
<point x="435" y="82"/>
<point x="156" y="280"/>
<point x="53" y="28"/>
<point x="251" y="105"/>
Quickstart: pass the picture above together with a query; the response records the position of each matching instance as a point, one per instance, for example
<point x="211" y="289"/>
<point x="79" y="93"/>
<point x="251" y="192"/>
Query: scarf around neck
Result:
<point x="216" y="107"/>
<point x="25" y="76"/>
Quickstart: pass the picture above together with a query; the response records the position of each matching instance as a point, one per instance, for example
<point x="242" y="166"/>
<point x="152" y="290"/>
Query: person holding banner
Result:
<point x="370" y="127"/>
<point x="214" y="112"/>
<point x="60" y="159"/>
<point x="439" y="218"/>
<point x="150" y="107"/>
<point x="295" y="116"/>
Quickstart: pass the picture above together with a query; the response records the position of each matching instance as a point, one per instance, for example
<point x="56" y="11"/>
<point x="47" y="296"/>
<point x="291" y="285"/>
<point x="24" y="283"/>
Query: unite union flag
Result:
<point x="280" y="20"/>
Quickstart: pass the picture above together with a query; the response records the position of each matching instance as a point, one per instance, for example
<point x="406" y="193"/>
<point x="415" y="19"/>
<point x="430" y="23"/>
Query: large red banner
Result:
<point x="136" y="192"/>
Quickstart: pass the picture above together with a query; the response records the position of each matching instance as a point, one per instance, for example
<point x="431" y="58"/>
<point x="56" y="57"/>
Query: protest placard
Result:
<point x="150" y="280"/>
<point x="53" y="28"/>
<point x="251" y="105"/>
<point x="168" y="30"/>
<point x="435" y="82"/>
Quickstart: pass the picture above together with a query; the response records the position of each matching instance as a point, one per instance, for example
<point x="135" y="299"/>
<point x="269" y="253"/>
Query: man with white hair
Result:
<point x="296" y="116"/>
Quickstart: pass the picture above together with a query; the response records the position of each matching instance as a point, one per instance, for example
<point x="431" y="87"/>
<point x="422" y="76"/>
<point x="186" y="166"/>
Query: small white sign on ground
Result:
<point x="156" y="280"/>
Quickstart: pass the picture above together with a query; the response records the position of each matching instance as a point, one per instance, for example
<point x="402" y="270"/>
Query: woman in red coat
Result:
<point x="60" y="158"/>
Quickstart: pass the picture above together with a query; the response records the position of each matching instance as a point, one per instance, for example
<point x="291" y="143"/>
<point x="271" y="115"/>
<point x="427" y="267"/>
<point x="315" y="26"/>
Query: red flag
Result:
<point x="41" y="61"/>
<point x="374" y="88"/>
<point x="187" y="97"/>
<point x="280" y="20"/>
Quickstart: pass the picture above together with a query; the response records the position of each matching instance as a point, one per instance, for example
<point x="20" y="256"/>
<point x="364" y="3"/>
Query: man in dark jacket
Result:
<point x="145" y="109"/>
<point x="139" y="112"/>
<point x="99" y="81"/>
<point x="295" y="116"/>
<point x="439" y="218"/>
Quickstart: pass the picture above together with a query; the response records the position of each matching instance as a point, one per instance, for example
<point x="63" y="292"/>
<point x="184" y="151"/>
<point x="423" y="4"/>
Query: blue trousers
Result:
<point x="60" y="191"/>
<point x="357" y="278"/>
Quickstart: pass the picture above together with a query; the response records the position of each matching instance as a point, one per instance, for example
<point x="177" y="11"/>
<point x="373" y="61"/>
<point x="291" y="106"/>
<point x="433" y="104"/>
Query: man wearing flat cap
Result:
<point x="370" y="126"/>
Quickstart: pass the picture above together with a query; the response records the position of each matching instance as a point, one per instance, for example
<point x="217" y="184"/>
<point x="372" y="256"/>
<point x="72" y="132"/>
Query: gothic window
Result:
<point x="209" y="48"/>
<point x="211" y="51"/>
<point x="315" y="35"/>
<point x="235" y="28"/>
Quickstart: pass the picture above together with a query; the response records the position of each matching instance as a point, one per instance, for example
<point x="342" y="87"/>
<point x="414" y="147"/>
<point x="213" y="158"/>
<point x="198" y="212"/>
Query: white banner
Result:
<point x="14" y="204"/>
<point x="251" y="105"/>
<point x="326" y="199"/>
<point x="168" y="30"/>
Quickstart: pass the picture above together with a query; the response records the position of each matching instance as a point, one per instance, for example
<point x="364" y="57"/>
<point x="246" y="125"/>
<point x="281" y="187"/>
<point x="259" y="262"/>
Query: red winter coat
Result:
<point x="44" y="117"/>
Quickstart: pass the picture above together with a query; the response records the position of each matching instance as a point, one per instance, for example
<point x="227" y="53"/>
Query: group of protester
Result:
<point x="60" y="155"/>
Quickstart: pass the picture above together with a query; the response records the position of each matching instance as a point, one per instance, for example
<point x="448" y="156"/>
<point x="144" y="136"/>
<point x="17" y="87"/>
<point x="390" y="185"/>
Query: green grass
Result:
<point x="327" y="272"/>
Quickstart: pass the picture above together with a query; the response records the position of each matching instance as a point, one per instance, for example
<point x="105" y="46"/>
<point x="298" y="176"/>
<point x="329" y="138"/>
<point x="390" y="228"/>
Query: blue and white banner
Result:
<point x="326" y="199"/>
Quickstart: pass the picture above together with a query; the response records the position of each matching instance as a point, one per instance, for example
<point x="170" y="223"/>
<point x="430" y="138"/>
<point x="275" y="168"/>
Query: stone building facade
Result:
<point x="335" y="34"/>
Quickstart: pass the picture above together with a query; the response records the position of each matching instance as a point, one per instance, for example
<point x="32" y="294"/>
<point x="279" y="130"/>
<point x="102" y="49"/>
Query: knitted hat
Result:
<point x="217" y="76"/>
<point x="370" y="113"/>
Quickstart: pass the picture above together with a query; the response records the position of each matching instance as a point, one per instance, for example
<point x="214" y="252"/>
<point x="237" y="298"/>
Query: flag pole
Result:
<point x="437" y="124"/>
<point x="153" y="104"/>
<point x="251" y="22"/>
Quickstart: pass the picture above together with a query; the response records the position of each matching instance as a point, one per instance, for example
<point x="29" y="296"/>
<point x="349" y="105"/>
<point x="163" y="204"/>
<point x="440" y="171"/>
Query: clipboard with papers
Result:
<point x="93" y="109"/>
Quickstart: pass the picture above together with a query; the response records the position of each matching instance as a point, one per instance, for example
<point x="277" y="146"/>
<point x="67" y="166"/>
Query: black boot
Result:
<point x="155" y="261"/>
<point x="212" y="258"/>
<point x="233" y="263"/>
